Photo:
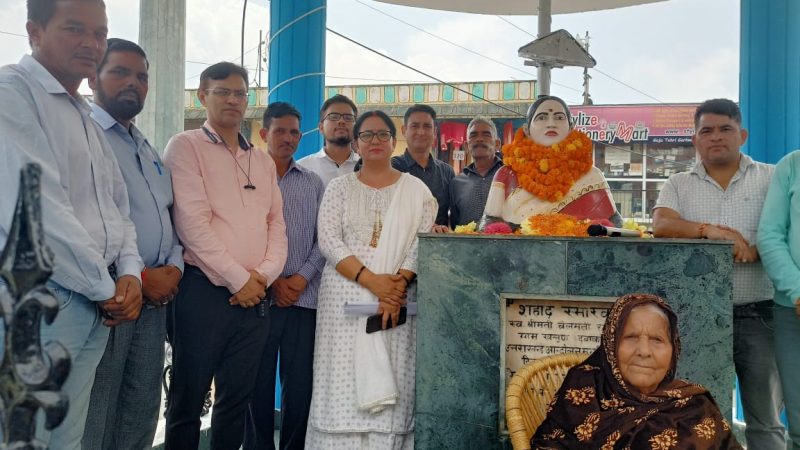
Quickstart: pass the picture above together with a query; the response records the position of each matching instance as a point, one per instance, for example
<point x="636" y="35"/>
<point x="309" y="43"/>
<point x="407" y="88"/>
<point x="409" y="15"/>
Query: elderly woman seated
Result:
<point x="625" y="395"/>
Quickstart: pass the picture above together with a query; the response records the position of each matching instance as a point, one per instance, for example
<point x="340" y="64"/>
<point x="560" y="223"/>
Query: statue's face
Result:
<point x="549" y="124"/>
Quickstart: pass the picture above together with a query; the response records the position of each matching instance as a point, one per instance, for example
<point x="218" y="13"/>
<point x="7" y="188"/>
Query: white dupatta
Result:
<point x="375" y="384"/>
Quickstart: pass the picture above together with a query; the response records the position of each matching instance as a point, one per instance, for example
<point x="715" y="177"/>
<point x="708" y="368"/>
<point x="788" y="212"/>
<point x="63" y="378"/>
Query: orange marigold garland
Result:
<point x="555" y="225"/>
<point x="549" y="172"/>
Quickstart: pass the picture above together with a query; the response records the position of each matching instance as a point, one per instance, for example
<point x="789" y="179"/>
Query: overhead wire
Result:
<point x="460" y="46"/>
<point x="518" y="113"/>
<point x="439" y="80"/>
<point x="12" y="34"/>
<point x="629" y="150"/>
<point x="591" y="68"/>
<point x="371" y="79"/>
<point x="208" y="64"/>
<point x="516" y="26"/>
<point x="627" y="85"/>
<point x="478" y="97"/>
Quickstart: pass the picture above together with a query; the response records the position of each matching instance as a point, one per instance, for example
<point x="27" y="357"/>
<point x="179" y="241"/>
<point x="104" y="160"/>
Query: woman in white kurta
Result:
<point x="363" y="395"/>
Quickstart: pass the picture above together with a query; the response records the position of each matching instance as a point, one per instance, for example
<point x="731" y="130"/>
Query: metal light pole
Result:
<point x="545" y="19"/>
<point x="587" y="97"/>
<point x="244" y="15"/>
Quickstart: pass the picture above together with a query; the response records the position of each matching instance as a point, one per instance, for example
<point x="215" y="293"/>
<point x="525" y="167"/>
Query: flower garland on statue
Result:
<point x="549" y="172"/>
<point x="556" y="224"/>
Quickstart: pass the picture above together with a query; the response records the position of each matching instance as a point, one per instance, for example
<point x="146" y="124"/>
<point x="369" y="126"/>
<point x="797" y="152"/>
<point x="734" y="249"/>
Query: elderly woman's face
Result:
<point x="644" y="350"/>
<point x="549" y="124"/>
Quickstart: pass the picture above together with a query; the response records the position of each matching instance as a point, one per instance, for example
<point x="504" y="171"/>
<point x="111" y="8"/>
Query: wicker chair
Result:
<point x="530" y="391"/>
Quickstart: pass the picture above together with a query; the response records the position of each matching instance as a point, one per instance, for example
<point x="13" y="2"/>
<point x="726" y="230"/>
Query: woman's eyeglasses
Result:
<point x="383" y="136"/>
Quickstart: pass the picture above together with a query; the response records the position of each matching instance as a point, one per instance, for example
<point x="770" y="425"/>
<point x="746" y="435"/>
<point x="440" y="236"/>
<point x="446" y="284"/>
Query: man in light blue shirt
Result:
<point x="44" y="120"/>
<point x="779" y="246"/>
<point x="123" y="409"/>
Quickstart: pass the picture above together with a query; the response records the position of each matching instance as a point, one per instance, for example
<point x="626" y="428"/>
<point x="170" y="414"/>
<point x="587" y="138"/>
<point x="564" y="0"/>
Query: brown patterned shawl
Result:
<point x="596" y="409"/>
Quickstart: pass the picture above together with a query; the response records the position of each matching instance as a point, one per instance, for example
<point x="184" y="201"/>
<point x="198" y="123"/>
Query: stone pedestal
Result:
<point x="463" y="284"/>
<point x="162" y="35"/>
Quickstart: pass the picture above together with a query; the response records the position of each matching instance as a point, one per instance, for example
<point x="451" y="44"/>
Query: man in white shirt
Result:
<point x="721" y="199"/>
<point x="336" y="119"/>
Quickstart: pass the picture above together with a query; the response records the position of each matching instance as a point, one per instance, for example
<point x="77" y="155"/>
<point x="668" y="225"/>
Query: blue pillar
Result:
<point x="769" y="80"/>
<point x="297" y="62"/>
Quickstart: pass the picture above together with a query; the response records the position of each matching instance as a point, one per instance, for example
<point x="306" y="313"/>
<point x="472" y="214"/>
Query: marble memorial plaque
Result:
<point x="535" y="328"/>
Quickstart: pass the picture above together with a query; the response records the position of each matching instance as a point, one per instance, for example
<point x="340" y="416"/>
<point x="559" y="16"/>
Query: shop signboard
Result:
<point x="627" y="124"/>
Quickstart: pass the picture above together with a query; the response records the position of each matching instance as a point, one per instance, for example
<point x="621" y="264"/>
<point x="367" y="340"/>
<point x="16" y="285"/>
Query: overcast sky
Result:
<point x="673" y="51"/>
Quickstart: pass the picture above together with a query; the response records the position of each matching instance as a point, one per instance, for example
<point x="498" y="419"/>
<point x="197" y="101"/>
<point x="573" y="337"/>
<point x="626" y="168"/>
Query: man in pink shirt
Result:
<point x="228" y="214"/>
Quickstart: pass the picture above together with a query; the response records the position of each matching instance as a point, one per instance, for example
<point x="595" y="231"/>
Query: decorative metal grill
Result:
<point x="31" y="374"/>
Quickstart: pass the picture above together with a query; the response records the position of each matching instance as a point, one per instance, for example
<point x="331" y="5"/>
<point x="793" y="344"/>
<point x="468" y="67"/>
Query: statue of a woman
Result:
<point x="549" y="169"/>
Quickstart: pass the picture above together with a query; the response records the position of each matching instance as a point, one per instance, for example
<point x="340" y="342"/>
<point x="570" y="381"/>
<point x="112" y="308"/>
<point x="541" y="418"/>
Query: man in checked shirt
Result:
<point x="721" y="198"/>
<point x="293" y="295"/>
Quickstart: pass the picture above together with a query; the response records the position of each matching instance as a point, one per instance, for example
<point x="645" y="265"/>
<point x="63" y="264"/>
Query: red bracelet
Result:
<point x="142" y="274"/>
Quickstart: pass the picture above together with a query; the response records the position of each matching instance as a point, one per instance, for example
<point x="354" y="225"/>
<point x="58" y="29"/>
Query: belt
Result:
<point x="188" y="268"/>
<point x="761" y="304"/>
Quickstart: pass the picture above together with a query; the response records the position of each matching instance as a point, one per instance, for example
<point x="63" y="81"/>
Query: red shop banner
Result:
<point x="453" y="133"/>
<point x="623" y="124"/>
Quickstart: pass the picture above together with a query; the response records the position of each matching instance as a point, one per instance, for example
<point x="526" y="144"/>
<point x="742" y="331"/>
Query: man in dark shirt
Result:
<point x="419" y="129"/>
<point x="469" y="190"/>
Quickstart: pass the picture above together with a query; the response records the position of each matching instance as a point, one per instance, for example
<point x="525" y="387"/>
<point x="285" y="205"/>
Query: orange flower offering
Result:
<point x="549" y="172"/>
<point x="557" y="224"/>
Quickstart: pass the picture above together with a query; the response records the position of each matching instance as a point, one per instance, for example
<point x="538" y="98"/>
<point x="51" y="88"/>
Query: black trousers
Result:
<point x="291" y="333"/>
<point x="211" y="339"/>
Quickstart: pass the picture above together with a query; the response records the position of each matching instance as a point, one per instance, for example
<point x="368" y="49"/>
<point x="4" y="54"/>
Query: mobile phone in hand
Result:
<point x="374" y="321"/>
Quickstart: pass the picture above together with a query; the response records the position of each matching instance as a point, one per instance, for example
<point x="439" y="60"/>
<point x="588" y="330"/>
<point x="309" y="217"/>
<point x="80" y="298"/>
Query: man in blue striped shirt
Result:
<point x="123" y="409"/>
<point x="293" y="296"/>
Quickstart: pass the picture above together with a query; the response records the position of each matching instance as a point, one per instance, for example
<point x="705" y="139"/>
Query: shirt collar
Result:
<point x="471" y="168"/>
<point x="50" y="84"/>
<point x="410" y="161"/>
<point x="106" y="122"/>
<point x="745" y="161"/>
<point x="323" y="154"/>
<point x="42" y="75"/>
<point x="210" y="135"/>
<point x="292" y="167"/>
<point x="102" y="117"/>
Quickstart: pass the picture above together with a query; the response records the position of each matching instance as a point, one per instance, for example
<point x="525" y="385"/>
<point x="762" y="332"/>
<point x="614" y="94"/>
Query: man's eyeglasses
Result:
<point x="383" y="136"/>
<point x="335" y="117"/>
<point x="224" y="92"/>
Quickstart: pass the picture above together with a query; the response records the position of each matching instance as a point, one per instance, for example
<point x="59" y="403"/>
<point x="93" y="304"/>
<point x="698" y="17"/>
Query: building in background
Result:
<point x="637" y="146"/>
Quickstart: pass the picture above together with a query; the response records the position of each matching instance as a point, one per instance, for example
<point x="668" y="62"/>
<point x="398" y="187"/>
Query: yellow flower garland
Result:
<point x="549" y="172"/>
